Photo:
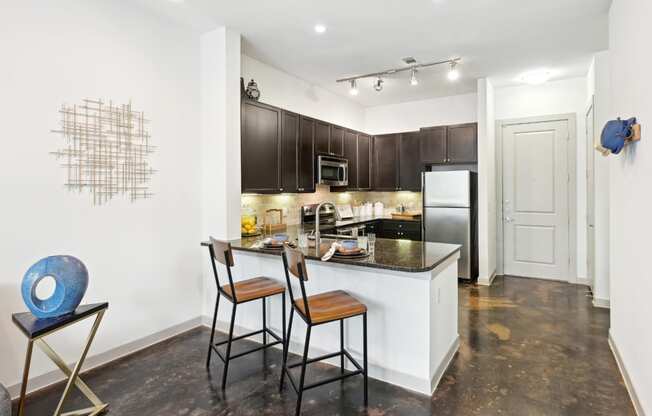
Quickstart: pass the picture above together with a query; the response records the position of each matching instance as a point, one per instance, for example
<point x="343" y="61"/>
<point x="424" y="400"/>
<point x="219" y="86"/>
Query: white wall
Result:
<point x="283" y="90"/>
<point x="220" y="104"/>
<point x="144" y="257"/>
<point x="486" y="181"/>
<point x="558" y="97"/>
<point x="599" y="86"/>
<point x="630" y="196"/>
<point x="411" y="116"/>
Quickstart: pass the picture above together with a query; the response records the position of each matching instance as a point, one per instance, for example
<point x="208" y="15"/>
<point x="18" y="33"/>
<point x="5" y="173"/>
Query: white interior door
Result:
<point x="590" y="193"/>
<point x="535" y="199"/>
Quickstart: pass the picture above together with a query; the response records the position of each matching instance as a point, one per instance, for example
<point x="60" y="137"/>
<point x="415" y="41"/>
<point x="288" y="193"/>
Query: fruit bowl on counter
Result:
<point x="248" y="225"/>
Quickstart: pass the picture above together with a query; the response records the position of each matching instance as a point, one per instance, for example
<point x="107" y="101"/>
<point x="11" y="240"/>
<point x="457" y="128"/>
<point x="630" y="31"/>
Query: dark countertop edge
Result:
<point x="364" y="220"/>
<point x="353" y="262"/>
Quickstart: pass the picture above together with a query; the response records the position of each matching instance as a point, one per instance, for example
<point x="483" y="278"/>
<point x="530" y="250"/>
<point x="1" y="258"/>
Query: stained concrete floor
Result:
<point x="528" y="347"/>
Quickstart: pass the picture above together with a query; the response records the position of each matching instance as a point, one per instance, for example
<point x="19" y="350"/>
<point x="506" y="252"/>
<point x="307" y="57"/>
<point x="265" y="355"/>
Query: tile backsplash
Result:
<point x="291" y="203"/>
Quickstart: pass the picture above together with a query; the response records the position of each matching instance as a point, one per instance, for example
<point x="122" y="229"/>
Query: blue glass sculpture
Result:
<point x="71" y="280"/>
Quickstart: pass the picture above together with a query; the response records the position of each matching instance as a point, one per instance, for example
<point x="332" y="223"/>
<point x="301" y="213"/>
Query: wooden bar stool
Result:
<point x="238" y="293"/>
<point x="315" y="310"/>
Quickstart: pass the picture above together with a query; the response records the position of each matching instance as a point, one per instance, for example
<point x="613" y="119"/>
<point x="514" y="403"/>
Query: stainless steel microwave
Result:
<point x="333" y="171"/>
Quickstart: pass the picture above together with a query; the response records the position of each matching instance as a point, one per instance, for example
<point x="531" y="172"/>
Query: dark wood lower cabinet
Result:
<point x="401" y="230"/>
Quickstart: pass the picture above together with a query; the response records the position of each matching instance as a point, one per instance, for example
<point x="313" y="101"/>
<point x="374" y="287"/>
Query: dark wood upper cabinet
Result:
<point x="351" y="154"/>
<point x="322" y="137"/>
<point x="306" y="162"/>
<point x="462" y="143"/>
<point x="410" y="166"/>
<point x="260" y="148"/>
<point x="336" y="146"/>
<point x="385" y="162"/>
<point x="433" y="145"/>
<point x="289" y="151"/>
<point x="364" y="162"/>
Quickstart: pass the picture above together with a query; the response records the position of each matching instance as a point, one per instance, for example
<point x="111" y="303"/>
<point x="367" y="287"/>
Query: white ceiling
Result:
<point x="498" y="39"/>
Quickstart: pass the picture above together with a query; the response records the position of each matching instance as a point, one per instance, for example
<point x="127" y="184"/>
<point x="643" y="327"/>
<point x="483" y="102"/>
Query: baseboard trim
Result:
<point x="55" y="376"/>
<point x="397" y="378"/>
<point x="601" y="303"/>
<point x="628" y="382"/>
<point x="487" y="282"/>
<point x="439" y="373"/>
<point x="583" y="281"/>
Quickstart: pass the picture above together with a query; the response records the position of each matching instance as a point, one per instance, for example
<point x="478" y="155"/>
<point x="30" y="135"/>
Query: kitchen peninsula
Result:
<point x="409" y="287"/>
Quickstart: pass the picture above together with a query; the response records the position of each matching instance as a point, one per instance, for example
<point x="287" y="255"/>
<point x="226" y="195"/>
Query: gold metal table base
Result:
<point x="73" y="375"/>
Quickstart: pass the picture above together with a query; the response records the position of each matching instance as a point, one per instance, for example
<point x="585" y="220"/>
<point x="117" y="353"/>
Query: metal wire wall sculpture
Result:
<point x="107" y="147"/>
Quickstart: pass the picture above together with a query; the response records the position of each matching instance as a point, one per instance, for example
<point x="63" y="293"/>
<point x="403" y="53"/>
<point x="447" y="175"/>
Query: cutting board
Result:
<point x="407" y="215"/>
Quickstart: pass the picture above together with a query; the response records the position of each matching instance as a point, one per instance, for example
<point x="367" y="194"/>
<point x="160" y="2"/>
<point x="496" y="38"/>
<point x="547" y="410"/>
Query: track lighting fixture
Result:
<point x="354" y="87"/>
<point x="413" y="77"/>
<point x="378" y="84"/>
<point x="412" y="65"/>
<point x="453" y="73"/>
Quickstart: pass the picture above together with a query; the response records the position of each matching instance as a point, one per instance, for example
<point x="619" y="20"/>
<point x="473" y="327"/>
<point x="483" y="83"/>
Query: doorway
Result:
<point x="590" y="194"/>
<point x="536" y="197"/>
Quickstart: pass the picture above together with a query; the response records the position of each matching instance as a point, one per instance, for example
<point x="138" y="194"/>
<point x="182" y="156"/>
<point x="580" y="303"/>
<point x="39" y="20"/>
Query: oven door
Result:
<point x="333" y="172"/>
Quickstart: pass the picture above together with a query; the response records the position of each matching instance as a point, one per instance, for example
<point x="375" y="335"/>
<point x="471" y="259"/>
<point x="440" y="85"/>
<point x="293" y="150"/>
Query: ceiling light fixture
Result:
<point x="536" y="77"/>
<point x="412" y="66"/>
<point x="320" y="28"/>
<point x="413" y="78"/>
<point x="453" y="73"/>
<point x="354" y="87"/>
<point x="378" y="84"/>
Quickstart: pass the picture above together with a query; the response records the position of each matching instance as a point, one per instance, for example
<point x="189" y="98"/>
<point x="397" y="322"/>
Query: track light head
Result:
<point x="453" y="73"/>
<point x="354" y="87"/>
<point x="413" y="78"/>
<point x="378" y="84"/>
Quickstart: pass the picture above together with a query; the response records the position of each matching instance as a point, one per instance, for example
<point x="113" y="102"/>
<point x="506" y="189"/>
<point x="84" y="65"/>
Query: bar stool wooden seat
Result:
<point x="238" y="293"/>
<point x="315" y="310"/>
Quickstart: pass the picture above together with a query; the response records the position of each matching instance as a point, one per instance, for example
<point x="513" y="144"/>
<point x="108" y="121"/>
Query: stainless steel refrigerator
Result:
<point x="450" y="214"/>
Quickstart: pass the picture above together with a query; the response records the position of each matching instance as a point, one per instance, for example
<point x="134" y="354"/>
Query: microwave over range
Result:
<point x="333" y="171"/>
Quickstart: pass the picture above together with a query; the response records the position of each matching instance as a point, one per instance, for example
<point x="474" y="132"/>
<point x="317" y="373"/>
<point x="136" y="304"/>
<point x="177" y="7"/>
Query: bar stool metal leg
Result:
<point x="210" y="345"/>
<point x="228" y="347"/>
<point x="303" y="370"/>
<point x="364" y="356"/>
<point x="342" y="346"/>
<point x="264" y="323"/>
<point x="286" y="347"/>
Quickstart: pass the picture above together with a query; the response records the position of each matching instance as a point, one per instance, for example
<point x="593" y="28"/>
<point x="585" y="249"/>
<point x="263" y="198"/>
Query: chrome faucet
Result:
<point x="317" y="221"/>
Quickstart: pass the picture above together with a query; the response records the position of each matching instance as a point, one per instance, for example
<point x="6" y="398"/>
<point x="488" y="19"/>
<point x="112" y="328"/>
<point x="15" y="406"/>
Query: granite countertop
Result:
<point x="364" y="219"/>
<point x="400" y="255"/>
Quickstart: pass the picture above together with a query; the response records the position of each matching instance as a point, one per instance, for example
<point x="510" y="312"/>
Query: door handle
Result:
<point x="508" y="219"/>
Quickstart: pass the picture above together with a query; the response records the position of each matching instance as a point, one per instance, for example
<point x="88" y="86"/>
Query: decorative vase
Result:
<point x="71" y="280"/>
<point x="252" y="90"/>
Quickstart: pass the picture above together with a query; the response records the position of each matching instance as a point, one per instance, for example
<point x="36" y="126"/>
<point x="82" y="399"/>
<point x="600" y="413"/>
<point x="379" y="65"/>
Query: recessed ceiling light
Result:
<point x="536" y="77"/>
<point x="320" y="28"/>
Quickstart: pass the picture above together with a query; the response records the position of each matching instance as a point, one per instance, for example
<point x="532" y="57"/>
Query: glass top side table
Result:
<point x="36" y="330"/>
